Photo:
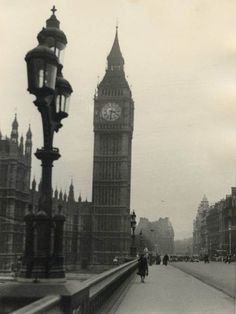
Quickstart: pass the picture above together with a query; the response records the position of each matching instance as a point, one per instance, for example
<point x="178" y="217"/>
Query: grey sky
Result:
<point x="180" y="59"/>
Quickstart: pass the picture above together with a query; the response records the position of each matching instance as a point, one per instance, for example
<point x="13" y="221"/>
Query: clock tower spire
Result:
<point x="113" y="129"/>
<point x="115" y="59"/>
<point x="114" y="82"/>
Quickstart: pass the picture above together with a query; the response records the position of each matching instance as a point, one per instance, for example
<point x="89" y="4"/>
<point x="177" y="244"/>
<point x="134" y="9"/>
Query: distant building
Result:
<point x="159" y="235"/>
<point x="184" y="246"/>
<point x="214" y="229"/>
<point x="199" y="229"/>
<point x="15" y="168"/>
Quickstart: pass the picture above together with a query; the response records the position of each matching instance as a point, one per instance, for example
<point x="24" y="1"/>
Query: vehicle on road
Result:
<point x="194" y="259"/>
<point x="173" y="258"/>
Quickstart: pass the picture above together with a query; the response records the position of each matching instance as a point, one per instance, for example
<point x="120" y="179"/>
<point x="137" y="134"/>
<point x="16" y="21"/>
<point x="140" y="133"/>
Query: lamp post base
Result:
<point x="41" y="280"/>
<point x="43" y="269"/>
<point x="42" y="260"/>
<point x="133" y="251"/>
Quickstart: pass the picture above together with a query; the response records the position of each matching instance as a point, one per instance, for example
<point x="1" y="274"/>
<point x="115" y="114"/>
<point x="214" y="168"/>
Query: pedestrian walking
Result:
<point x="165" y="259"/>
<point x="228" y="259"/>
<point x="142" y="267"/>
<point x="146" y="253"/>
<point x="206" y="259"/>
<point x="150" y="259"/>
<point x="158" y="259"/>
<point x="115" y="261"/>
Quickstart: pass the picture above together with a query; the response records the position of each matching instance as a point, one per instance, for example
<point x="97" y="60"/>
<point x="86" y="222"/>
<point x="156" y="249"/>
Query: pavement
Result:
<point x="217" y="274"/>
<point x="168" y="290"/>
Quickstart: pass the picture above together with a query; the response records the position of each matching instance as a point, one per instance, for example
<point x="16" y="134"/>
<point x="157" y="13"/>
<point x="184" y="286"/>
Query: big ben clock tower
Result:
<point x="113" y="129"/>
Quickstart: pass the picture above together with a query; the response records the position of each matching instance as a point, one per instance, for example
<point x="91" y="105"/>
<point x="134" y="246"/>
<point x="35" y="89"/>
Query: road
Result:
<point x="219" y="275"/>
<point x="168" y="290"/>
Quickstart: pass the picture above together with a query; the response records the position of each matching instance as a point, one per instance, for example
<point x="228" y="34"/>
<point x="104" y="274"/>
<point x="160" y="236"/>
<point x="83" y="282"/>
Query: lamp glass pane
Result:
<point x="50" y="75"/>
<point x="36" y="73"/>
<point x="57" y="103"/>
<point x="67" y="102"/>
<point x="59" y="51"/>
<point x="41" y="78"/>
<point x="61" y="56"/>
<point x="62" y="103"/>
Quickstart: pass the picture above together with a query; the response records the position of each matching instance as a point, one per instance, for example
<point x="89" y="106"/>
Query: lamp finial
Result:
<point x="53" y="10"/>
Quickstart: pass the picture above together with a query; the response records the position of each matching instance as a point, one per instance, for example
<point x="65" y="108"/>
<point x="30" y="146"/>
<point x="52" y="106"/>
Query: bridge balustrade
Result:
<point x="88" y="298"/>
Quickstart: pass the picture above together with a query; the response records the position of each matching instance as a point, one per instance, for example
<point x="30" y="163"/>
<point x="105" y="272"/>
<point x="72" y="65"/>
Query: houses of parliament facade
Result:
<point x="94" y="232"/>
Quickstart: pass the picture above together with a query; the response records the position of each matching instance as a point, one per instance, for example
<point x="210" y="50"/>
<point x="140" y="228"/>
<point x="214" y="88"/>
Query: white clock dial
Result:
<point x="111" y="111"/>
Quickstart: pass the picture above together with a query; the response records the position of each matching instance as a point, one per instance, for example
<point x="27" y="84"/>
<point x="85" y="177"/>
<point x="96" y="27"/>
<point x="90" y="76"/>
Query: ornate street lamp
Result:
<point x="230" y="236"/>
<point x="141" y="244"/>
<point x="43" y="258"/>
<point x="133" y="249"/>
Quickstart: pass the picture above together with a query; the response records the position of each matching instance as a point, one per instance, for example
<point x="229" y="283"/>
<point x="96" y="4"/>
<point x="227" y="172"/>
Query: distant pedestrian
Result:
<point x="165" y="259"/>
<point x="146" y="253"/>
<point x="142" y="267"/>
<point x="150" y="259"/>
<point x="115" y="261"/>
<point x="228" y="259"/>
<point x="158" y="259"/>
<point x="206" y="259"/>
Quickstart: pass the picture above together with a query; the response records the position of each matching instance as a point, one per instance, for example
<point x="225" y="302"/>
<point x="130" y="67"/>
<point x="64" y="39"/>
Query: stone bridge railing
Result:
<point x="86" y="298"/>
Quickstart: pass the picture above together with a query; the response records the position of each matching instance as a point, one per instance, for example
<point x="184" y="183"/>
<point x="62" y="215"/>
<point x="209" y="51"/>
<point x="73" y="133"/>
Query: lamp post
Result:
<point x="210" y="248"/>
<point x="141" y="244"/>
<point x="133" y="249"/>
<point x="43" y="258"/>
<point x="230" y="238"/>
<point x="152" y="237"/>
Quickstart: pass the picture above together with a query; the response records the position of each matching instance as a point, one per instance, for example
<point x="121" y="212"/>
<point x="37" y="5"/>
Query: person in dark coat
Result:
<point x="158" y="259"/>
<point x="142" y="267"/>
<point x="206" y="258"/>
<point x="165" y="259"/>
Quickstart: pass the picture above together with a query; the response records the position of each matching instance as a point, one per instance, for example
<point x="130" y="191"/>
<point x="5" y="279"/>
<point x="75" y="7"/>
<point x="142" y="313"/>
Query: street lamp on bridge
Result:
<point x="43" y="257"/>
<point x="133" y="249"/>
<point x="141" y="242"/>
<point x="230" y="237"/>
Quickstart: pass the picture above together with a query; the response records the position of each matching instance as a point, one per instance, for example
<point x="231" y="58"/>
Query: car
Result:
<point x="173" y="258"/>
<point x="194" y="259"/>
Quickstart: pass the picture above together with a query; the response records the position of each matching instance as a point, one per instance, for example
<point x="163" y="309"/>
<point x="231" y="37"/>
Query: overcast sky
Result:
<point x="180" y="60"/>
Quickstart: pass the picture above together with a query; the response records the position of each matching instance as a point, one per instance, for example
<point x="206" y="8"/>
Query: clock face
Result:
<point x="111" y="111"/>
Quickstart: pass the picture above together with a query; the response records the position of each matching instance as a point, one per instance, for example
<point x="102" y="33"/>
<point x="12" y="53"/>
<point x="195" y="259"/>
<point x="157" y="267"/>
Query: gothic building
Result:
<point x="214" y="228"/>
<point x="15" y="167"/>
<point x="113" y="129"/>
<point x="76" y="249"/>
<point x="200" y="228"/>
<point x="16" y="195"/>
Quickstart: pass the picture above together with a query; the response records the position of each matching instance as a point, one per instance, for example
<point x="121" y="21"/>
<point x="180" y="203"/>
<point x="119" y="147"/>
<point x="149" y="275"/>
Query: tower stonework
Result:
<point x="113" y="129"/>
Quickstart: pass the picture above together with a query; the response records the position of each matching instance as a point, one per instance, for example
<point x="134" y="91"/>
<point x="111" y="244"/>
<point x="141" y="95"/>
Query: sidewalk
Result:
<point x="168" y="290"/>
